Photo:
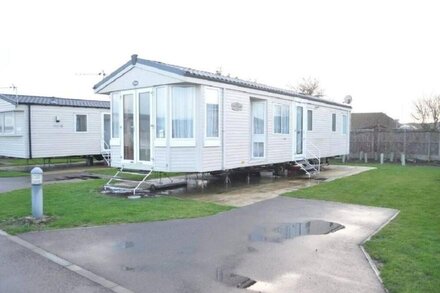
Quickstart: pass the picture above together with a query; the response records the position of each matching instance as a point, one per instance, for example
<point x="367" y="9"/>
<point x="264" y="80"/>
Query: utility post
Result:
<point x="37" y="192"/>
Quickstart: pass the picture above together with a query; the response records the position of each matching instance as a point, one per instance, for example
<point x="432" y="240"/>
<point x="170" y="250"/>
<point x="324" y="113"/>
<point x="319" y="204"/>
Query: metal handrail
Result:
<point x="318" y="156"/>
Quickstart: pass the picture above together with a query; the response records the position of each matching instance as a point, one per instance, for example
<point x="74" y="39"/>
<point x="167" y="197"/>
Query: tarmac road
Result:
<point x="22" y="270"/>
<point x="210" y="254"/>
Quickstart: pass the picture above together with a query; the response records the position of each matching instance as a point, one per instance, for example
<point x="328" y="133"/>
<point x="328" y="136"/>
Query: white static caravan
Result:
<point x="49" y="127"/>
<point x="175" y="119"/>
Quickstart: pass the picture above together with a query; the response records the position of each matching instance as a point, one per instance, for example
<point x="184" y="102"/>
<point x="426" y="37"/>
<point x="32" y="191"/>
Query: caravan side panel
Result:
<point x="58" y="139"/>
<point x="237" y="129"/>
<point x="330" y="143"/>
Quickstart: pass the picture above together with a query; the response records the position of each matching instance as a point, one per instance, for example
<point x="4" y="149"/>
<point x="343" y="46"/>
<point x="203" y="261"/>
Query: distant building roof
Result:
<point x="189" y="72"/>
<point x="53" y="101"/>
<point x="373" y="121"/>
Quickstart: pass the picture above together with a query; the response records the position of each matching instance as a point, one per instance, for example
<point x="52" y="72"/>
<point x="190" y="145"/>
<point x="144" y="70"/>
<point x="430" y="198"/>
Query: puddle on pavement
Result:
<point x="278" y="234"/>
<point x="212" y="185"/>
<point x="227" y="277"/>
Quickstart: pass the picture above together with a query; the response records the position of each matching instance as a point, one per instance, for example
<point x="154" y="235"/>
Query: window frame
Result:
<point x="114" y="97"/>
<point x="281" y="106"/>
<point x="310" y="125"/>
<point x="212" y="140"/>
<point x="344" y="127"/>
<point x="162" y="141"/>
<point x="14" y="124"/>
<point x="177" y="141"/>
<point x="75" y="122"/>
<point x="2" y="122"/>
<point x="334" y="122"/>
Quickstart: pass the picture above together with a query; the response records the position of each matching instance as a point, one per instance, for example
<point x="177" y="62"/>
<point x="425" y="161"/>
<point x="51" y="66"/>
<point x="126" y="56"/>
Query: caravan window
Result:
<point x="9" y="123"/>
<point x="2" y="119"/>
<point x="281" y="118"/>
<point x="182" y="112"/>
<point x="344" y="124"/>
<point x="333" y="122"/>
<point x="309" y="120"/>
<point x="80" y="123"/>
<point x="161" y="112"/>
<point x="212" y="97"/>
<point x="116" y="106"/>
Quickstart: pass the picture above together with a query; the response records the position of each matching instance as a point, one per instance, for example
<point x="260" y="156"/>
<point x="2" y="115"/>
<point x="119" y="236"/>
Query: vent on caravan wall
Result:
<point x="348" y="99"/>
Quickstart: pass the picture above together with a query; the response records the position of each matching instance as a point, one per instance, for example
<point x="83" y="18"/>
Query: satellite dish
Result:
<point x="348" y="99"/>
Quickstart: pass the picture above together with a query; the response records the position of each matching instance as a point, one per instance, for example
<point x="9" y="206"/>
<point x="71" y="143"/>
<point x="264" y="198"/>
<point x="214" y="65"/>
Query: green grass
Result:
<point x="81" y="204"/>
<point x="32" y="162"/>
<point x="7" y="173"/>
<point x="408" y="249"/>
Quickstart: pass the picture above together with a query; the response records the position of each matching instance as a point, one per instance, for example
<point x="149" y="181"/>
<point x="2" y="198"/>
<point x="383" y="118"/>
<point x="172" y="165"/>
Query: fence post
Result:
<point x="361" y="155"/>
<point x="343" y="159"/>
<point x="402" y="159"/>
<point x="366" y="157"/>
<point x="381" y="158"/>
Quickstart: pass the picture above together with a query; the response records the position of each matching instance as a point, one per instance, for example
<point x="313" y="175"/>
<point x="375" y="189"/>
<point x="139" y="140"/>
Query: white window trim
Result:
<point x="307" y="118"/>
<point x="273" y="118"/>
<point x="182" y="142"/>
<point x="161" y="141"/>
<point x="212" y="141"/>
<point x="346" y="124"/>
<point x="3" y="117"/>
<point x="336" y="123"/>
<point x="87" y="123"/>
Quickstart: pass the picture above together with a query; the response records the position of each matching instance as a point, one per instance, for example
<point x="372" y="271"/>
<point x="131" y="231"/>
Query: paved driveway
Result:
<point x="199" y="255"/>
<point x="24" y="271"/>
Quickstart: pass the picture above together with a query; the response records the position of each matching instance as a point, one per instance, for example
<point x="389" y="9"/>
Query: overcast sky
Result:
<point x="385" y="54"/>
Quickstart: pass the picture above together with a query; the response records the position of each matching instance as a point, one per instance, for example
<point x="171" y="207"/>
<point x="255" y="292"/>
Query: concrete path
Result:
<point x="199" y="255"/>
<point x="22" y="270"/>
<point x="244" y="194"/>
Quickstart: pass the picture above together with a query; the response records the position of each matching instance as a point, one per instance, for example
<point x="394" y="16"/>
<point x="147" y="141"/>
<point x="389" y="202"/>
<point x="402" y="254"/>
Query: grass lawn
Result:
<point x="81" y="204"/>
<point x="408" y="249"/>
<point x="7" y="173"/>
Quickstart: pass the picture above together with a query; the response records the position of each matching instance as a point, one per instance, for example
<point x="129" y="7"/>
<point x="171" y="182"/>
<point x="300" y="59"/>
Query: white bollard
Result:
<point x="392" y="157"/>
<point x="381" y="158"/>
<point x="361" y="155"/>
<point x="37" y="192"/>
<point x="366" y="157"/>
<point x="343" y="159"/>
<point x="402" y="159"/>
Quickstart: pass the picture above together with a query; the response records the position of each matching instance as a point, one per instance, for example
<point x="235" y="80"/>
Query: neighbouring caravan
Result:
<point x="49" y="127"/>
<point x="176" y="119"/>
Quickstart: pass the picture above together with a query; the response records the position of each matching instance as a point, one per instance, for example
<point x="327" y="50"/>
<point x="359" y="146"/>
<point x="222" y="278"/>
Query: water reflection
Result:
<point x="289" y="231"/>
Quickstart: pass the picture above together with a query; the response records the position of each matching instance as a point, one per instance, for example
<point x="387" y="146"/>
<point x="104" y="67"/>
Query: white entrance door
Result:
<point x="144" y="127"/>
<point x="106" y="132"/>
<point x="299" y="131"/>
<point x="258" y="109"/>
<point x="136" y="128"/>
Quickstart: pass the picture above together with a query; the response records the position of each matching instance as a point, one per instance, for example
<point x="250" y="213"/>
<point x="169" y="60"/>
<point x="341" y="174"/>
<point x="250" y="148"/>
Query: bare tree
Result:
<point x="309" y="86"/>
<point x="427" y="111"/>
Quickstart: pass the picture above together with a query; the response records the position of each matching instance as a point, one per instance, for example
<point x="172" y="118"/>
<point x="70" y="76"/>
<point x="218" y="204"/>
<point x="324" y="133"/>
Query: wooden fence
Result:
<point x="415" y="144"/>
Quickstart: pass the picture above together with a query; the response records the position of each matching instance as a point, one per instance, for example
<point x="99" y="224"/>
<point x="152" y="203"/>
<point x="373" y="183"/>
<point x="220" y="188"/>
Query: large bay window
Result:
<point x="182" y="115"/>
<point x="212" y="101"/>
<point x="7" y="123"/>
<point x="281" y="118"/>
